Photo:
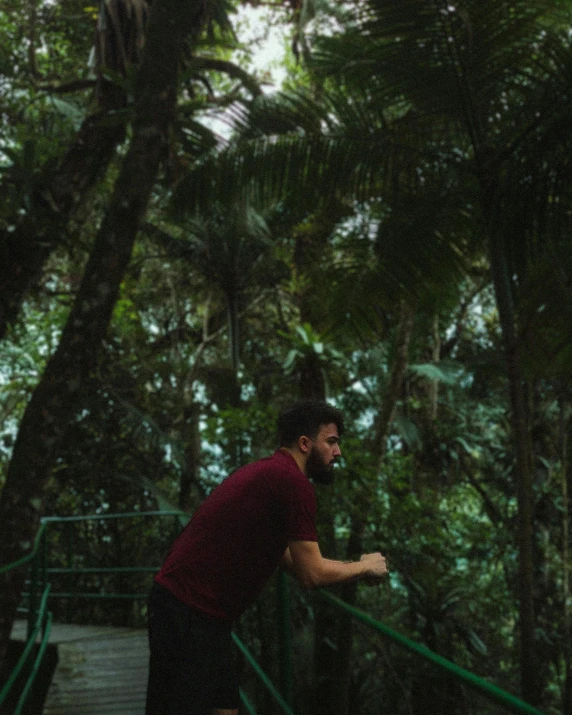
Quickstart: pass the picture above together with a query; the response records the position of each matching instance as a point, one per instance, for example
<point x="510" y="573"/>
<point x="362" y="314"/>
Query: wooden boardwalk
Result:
<point x="100" y="671"/>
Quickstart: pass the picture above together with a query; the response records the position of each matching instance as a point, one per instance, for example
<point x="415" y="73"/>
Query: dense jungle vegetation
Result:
<point x="188" y="244"/>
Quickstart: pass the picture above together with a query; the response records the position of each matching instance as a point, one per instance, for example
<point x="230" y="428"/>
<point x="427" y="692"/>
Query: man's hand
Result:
<point x="376" y="568"/>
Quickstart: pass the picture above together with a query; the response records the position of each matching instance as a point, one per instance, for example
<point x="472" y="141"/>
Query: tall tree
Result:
<point x="51" y="191"/>
<point x="58" y="396"/>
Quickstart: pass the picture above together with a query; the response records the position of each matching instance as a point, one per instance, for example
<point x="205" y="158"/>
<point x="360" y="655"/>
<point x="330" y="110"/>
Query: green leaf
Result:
<point x="408" y="431"/>
<point x="432" y="372"/>
<point x="477" y="643"/>
<point x="69" y="111"/>
<point x="290" y="361"/>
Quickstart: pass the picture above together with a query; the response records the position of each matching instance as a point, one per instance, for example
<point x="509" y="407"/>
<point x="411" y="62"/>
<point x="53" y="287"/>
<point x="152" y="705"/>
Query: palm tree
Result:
<point x="231" y="248"/>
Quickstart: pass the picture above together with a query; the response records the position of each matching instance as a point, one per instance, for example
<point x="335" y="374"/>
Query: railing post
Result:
<point x="285" y="637"/>
<point x="68" y="531"/>
<point x="43" y="558"/>
<point x="32" y="598"/>
<point x="44" y="552"/>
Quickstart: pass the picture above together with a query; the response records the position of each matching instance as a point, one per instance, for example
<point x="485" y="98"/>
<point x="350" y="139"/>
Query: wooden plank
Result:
<point x="62" y="632"/>
<point x="101" y="670"/>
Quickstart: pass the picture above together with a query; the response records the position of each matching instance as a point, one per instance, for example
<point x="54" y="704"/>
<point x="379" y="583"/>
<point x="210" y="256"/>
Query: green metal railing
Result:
<point x="101" y="570"/>
<point x="39" y="622"/>
<point x="263" y="677"/>
<point x="43" y="624"/>
<point x="490" y="691"/>
<point x="39" y="619"/>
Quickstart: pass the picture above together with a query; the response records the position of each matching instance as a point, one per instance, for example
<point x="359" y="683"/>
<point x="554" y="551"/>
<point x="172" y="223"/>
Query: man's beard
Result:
<point x="318" y="471"/>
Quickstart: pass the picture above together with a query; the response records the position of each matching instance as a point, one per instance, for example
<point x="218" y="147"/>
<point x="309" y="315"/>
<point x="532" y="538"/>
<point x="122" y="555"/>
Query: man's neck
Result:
<point x="297" y="456"/>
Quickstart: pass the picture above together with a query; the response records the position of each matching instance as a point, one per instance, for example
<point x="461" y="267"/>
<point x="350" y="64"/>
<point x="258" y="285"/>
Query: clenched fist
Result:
<point x="376" y="567"/>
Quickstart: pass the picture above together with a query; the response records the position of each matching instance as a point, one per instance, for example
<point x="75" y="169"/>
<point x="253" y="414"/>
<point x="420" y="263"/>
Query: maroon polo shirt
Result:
<point x="236" y="539"/>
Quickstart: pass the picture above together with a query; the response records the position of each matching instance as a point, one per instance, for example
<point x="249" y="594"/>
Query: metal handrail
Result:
<point x="38" y="616"/>
<point x="22" y="660"/>
<point x="492" y="692"/>
<point x="118" y="515"/>
<point x="248" y="706"/>
<point x="34" y="557"/>
<point x="28" y="557"/>
<point x="35" y="669"/>
<point x="262" y="675"/>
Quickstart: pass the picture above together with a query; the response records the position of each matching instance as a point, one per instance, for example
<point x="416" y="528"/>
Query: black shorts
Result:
<point x="191" y="667"/>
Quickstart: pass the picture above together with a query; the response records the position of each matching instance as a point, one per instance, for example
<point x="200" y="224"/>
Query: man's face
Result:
<point x="323" y="454"/>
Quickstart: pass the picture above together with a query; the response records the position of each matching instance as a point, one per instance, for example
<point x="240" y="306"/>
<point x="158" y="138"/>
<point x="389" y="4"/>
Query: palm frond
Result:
<point x="196" y="139"/>
<point x="306" y="169"/>
<point x="218" y="17"/>
<point x="424" y="105"/>
<point x="448" y="61"/>
<point x="278" y="114"/>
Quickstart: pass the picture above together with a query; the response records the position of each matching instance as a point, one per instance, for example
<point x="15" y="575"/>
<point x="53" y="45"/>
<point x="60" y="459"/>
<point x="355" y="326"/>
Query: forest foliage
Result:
<point x="187" y="245"/>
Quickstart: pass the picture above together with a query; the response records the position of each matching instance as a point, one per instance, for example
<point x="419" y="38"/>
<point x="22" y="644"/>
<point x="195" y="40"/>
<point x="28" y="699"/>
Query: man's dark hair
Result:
<point x="306" y="418"/>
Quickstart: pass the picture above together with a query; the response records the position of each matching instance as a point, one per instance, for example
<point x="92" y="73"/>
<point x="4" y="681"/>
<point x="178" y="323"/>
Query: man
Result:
<point x="260" y="516"/>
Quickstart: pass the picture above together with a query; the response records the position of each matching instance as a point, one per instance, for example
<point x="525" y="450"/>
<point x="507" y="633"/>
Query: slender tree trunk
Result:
<point x="530" y="685"/>
<point x="394" y="388"/>
<point x="190" y="492"/>
<point x="233" y="329"/>
<point x="32" y="18"/>
<point x="434" y="384"/>
<point x="341" y="687"/>
<point x="189" y="497"/>
<point x="326" y="617"/>
<point x="312" y="387"/>
<point x="59" y="394"/>
<point x="564" y="428"/>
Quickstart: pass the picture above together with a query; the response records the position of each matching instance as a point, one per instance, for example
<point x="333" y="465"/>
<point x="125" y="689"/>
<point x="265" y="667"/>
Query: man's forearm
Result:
<point x="330" y="571"/>
<point x="305" y="561"/>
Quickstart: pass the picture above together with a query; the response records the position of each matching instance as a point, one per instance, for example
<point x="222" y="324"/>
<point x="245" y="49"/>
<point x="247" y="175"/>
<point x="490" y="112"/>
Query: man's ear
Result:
<point x="305" y="444"/>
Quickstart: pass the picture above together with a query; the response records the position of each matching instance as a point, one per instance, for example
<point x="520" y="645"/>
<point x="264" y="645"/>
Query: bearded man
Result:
<point x="259" y="517"/>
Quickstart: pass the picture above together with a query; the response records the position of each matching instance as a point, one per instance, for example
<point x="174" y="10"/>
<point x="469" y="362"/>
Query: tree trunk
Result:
<point x="394" y="388"/>
<point x="325" y="618"/>
<point x="61" y="193"/>
<point x="59" y="394"/>
<point x="189" y="494"/>
<point x="312" y="386"/>
<point x="435" y="357"/>
<point x="530" y="685"/>
<point x="564" y="428"/>
<point x="233" y="330"/>
<point x="341" y="686"/>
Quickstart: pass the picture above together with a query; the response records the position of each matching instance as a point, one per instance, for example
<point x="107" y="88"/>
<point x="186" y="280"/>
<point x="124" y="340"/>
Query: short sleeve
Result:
<point x="299" y="508"/>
